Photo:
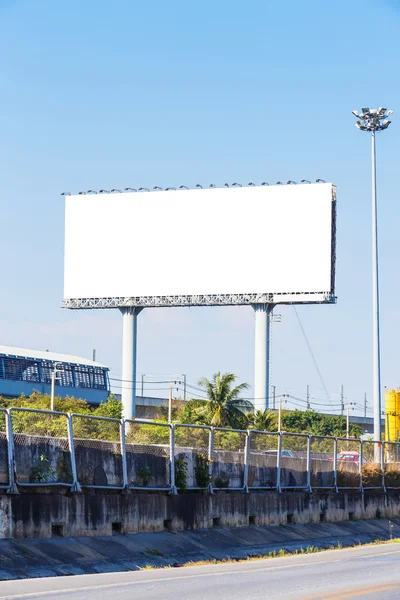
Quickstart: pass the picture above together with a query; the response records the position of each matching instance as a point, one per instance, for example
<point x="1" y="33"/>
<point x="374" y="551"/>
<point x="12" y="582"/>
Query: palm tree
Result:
<point x="225" y="407"/>
<point x="263" y="420"/>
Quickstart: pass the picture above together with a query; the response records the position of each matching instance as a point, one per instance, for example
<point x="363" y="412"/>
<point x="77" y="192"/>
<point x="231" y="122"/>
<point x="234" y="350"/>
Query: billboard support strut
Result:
<point x="129" y="352"/>
<point x="261" y="360"/>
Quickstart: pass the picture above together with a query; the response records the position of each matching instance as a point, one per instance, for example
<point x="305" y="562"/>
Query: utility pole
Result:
<point x="280" y="411"/>
<point x="273" y="398"/>
<point x="170" y="405"/>
<point x="94" y="354"/>
<point x="53" y="384"/>
<point x="365" y="405"/>
<point x="308" y="398"/>
<point x="341" y="402"/>
<point x="350" y="404"/>
<point x="373" y="120"/>
<point x="184" y="386"/>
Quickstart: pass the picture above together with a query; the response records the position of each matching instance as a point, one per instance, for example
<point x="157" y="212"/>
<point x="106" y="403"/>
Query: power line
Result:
<point x="312" y="354"/>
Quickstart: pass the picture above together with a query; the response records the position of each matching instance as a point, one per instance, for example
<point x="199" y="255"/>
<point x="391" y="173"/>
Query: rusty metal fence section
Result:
<point x="263" y="460"/>
<point x="372" y="468"/>
<point x="323" y="454"/>
<point x="348" y="473"/>
<point x="391" y="465"/>
<point x="4" y="453"/>
<point x="193" y="456"/>
<point x="98" y="451"/>
<point x="229" y="452"/>
<point x="294" y="461"/>
<point x="40" y="443"/>
<point x="149" y="455"/>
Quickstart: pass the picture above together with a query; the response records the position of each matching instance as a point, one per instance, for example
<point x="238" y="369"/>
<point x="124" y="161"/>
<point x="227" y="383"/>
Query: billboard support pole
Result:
<point x="129" y="347"/>
<point x="262" y="348"/>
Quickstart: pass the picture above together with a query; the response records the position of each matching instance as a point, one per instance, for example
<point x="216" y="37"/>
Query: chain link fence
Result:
<point x="36" y="445"/>
<point x="263" y="460"/>
<point x="228" y="458"/>
<point x="148" y="454"/>
<point x="41" y="447"/>
<point x="98" y="451"/>
<point x="193" y="456"/>
<point x="372" y="465"/>
<point x="348" y="474"/>
<point x="4" y="458"/>
<point x="391" y="454"/>
<point x="293" y="461"/>
<point x="323" y="461"/>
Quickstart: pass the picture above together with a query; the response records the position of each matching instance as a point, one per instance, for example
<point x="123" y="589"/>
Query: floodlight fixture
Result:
<point x="212" y="185"/>
<point x="320" y="180"/>
<point x="143" y="189"/>
<point x="235" y="184"/>
<point x="65" y="193"/>
<point x="200" y="187"/>
<point x="91" y="192"/>
<point x="82" y="193"/>
<point x="251" y="184"/>
<point x="130" y="190"/>
<point x="104" y="192"/>
<point x="372" y="119"/>
<point x="375" y="120"/>
<point x="157" y="187"/>
<point x="169" y="189"/>
<point x="183" y="187"/>
<point x="292" y="182"/>
<point x="226" y="185"/>
<point x="264" y="183"/>
<point x="279" y="183"/>
<point x="305" y="181"/>
<point x="115" y="190"/>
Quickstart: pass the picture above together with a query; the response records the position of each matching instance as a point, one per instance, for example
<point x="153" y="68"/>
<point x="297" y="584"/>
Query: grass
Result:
<point x="273" y="554"/>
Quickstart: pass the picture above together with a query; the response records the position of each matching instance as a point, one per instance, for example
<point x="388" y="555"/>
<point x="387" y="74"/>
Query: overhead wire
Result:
<point x="311" y="353"/>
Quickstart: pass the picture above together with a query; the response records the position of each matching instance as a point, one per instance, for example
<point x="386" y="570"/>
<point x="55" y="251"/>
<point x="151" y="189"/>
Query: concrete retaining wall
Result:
<point x="99" y="513"/>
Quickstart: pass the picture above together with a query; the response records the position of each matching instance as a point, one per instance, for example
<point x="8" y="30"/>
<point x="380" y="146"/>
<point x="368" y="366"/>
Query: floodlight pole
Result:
<point x="262" y="355"/>
<point x="129" y="347"/>
<point x="376" y="348"/>
<point x="374" y="120"/>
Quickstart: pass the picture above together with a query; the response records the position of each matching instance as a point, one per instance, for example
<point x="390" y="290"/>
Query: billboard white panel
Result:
<point x="236" y="245"/>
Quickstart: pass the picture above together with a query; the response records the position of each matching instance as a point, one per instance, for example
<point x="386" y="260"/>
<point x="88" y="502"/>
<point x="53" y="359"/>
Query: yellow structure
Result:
<point x="392" y="416"/>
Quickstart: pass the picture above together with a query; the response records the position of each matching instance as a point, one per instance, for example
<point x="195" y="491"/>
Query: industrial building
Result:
<point x="23" y="371"/>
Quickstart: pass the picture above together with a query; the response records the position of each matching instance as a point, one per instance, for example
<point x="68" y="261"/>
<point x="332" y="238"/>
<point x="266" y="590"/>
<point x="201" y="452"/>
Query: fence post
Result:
<point x="278" y="462"/>
<point x="309" y="463"/>
<point x="383" y="465"/>
<point x="12" y="488"/>
<point x="335" y="453"/>
<point x="75" y="484"/>
<point x="246" y="462"/>
<point x="210" y="459"/>
<point x="173" y="489"/>
<point x="125" y="481"/>
<point x="360" y="459"/>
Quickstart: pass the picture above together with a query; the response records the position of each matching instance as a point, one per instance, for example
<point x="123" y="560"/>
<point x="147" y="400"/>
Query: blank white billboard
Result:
<point x="205" y="246"/>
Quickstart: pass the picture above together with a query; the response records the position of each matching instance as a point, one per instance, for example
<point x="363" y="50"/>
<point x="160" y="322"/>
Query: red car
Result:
<point x="348" y="456"/>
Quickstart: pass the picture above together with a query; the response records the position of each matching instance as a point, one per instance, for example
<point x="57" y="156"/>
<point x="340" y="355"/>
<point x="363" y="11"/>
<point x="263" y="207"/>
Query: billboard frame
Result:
<point x="243" y="299"/>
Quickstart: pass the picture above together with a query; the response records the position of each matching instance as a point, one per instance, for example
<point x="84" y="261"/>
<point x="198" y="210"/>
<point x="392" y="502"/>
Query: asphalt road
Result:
<point x="369" y="572"/>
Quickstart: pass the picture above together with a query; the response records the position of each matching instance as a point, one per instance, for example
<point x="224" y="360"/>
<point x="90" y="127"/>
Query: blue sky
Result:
<point x="97" y="95"/>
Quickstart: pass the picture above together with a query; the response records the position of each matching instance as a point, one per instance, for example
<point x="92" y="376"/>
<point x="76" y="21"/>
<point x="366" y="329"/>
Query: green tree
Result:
<point x="262" y="420"/>
<point x="312" y="422"/>
<point x="225" y="407"/>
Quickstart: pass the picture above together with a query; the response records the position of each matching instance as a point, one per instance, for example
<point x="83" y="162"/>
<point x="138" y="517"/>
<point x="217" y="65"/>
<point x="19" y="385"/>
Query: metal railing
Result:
<point x="45" y="448"/>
